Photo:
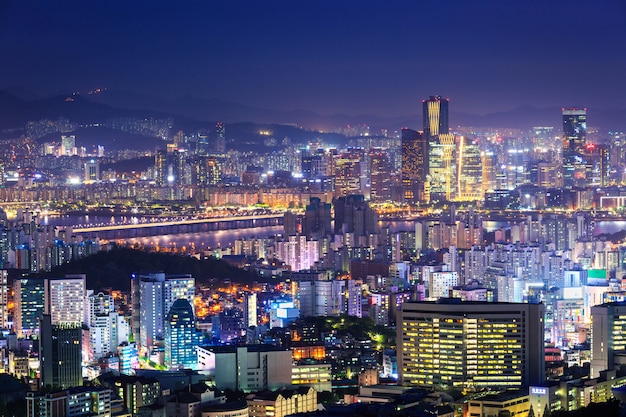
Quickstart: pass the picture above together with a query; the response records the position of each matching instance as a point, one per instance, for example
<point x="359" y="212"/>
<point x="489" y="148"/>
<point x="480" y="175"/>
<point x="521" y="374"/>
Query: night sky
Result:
<point x="353" y="57"/>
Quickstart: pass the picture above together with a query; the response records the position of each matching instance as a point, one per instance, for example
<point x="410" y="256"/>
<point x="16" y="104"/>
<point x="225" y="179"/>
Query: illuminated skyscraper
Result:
<point x="608" y="336"/>
<point x="152" y="296"/>
<point x="347" y="172"/>
<point x="574" y="141"/>
<point x="380" y="178"/>
<point x="470" y="344"/>
<point x="30" y="301"/>
<point x="66" y="300"/>
<point x="180" y="336"/>
<point x="470" y="171"/>
<point x="206" y="170"/>
<point x="160" y="167"/>
<point x="202" y="144"/>
<point x="414" y="165"/>
<point x="598" y="164"/>
<point x="220" y="137"/>
<point x="488" y="182"/>
<point x="169" y="167"/>
<point x="441" y="146"/>
<point x="60" y="354"/>
<point x="92" y="171"/>
<point x="314" y="165"/>
<point x="4" y="299"/>
<point x="435" y="116"/>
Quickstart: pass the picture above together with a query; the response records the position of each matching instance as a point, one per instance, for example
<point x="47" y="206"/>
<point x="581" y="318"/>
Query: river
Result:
<point x="227" y="238"/>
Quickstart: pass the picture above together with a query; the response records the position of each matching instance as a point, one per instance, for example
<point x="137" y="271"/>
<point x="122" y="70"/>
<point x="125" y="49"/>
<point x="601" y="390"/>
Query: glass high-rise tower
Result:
<point x="441" y="146"/>
<point x="435" y="116"/>
<point x="414" y="165"/>
<point x="180" y="336"/>
<point x="574" y="141"/>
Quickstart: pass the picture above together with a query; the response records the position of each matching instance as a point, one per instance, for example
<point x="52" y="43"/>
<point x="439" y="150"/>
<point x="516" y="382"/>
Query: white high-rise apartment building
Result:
<point x="66" y="299"/>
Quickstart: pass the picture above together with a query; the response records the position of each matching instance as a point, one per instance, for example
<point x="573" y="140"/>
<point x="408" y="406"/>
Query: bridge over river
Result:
<point x="170" y="227"/>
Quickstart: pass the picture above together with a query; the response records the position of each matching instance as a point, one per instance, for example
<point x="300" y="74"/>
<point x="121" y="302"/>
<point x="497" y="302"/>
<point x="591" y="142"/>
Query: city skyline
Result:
<point x="341" y="58"/>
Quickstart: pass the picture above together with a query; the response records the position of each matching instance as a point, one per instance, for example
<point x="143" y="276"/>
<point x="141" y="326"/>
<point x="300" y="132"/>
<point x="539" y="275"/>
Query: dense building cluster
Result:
<point x="446" y="271"/>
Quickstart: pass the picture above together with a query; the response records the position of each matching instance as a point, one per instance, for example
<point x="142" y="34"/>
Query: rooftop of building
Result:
<point x="250" y="348"/>
<point x="273" y="395"/>
<point x="229" y="406"/>
<point x="184" y="397"/>
<point x="458" y="301"/>
<point x="502" y="396"/>
<point x="128" y="379"/>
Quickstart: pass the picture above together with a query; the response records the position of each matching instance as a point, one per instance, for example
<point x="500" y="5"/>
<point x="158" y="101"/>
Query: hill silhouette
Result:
<point x="113" y="268"/>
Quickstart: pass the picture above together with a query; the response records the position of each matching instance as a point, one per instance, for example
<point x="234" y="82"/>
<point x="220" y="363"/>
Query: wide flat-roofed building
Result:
<point x="476" y="344"/>
<point x="247" y="368"/>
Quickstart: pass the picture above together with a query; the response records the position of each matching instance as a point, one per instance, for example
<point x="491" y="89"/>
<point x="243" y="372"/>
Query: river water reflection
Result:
<point x="227" y="238"/>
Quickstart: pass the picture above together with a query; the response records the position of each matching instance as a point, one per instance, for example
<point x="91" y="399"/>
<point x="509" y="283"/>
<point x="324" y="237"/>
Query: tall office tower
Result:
<point x="177" y="167"/>
<point x="92" y="171"/>
<point x="60" y="354"/>
<point x="450" y="343"/>
<point x="435" y="111"/>
<point x="488" y="181"/>
<point x="314" y="165"/>
<point x="4" y="299"/>
<point x="206" y="171"/>
<point x="202" y="144"/>
<point x="220" y="137"/>
<point x="317" y="219"/>
<point x="543" y="137"/>
<point x="414" y="165"/>
<point x="441" y="146"/>
<point x="470" y="171"/>
<point x="549" y="175"/>
<point x="66" y="300"/>
<point x="608" y="336"/>
<point x="169" y="167"/>
<point x="160" y="167"/>
<point x="597" y="158"/>
<point x="604" y="163"/>
<point x="380" y="175"/>
<point x="180" y="336"/>
<point x="152" y="297"/>
<point x="30" y="302"/>
<point x="347" y="172"/>
<point x="574" y="141"/>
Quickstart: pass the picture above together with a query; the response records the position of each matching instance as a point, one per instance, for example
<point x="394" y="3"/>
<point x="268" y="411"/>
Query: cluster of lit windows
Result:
<point x="451" y="350"/>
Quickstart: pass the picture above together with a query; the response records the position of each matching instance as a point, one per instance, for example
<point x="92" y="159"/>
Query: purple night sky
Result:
<point x="353" y="57"/>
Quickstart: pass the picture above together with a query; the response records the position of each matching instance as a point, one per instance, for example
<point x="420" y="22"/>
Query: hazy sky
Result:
<point x="355" y="57"/>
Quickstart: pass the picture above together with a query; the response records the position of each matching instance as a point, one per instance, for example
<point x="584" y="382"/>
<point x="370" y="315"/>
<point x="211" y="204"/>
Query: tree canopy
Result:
<point x="113" y="268"/>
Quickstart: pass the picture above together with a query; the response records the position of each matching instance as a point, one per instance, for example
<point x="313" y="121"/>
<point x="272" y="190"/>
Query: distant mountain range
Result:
<point x="18" y="106"/>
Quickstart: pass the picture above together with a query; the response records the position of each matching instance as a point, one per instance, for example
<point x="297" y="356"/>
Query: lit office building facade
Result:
<point x="470" y="344"/>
